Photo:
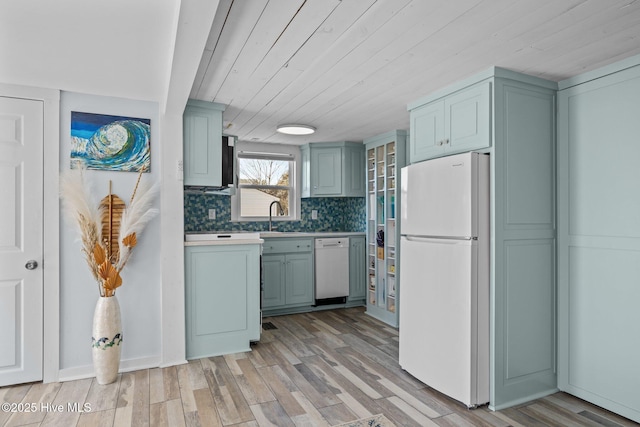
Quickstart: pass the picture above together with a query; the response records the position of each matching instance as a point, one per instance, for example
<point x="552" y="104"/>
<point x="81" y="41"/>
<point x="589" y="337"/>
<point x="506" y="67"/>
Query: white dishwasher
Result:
<point x="332" y="270"/>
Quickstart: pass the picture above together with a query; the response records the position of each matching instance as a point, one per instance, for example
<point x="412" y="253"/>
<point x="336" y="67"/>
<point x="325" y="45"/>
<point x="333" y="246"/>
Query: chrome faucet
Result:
<point x="270" y="208"/>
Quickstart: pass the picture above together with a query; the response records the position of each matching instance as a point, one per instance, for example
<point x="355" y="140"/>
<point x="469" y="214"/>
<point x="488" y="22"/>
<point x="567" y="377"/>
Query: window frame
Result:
<point x="267" y="152"/>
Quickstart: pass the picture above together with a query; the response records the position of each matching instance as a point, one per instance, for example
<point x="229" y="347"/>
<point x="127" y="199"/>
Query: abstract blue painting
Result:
<point x="114" y="143"/>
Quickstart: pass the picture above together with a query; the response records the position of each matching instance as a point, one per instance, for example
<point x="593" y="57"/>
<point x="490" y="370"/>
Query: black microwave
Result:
<point x="228" y="170"/>
<point x="228" y="160"/>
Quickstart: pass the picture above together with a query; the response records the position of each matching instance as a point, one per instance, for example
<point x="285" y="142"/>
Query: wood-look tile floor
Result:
<point x="314" y="369"/>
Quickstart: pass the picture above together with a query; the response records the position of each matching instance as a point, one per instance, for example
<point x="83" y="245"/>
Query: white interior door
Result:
<point x="21" y="279"/>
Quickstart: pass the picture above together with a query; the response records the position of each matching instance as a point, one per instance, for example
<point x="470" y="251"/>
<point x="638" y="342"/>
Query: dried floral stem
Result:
<point x="89" y="233"/>
<point x="123" y="261"/>
<point x="135" y="189"/>
<point x="110" y="222"/>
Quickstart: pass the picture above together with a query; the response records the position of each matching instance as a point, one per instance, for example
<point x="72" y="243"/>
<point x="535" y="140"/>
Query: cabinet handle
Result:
<point x="440" y="143"/>
<point x="446" y="141"/>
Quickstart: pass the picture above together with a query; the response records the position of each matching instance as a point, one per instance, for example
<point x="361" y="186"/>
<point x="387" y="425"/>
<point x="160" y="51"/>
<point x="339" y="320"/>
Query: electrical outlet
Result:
<point x="314" y="214"/>
<point x="180" y="170"/>
<point x="212" y="214"/>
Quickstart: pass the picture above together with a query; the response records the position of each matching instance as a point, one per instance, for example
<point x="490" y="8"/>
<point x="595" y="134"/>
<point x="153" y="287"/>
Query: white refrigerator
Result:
<point x="444" y="291"/>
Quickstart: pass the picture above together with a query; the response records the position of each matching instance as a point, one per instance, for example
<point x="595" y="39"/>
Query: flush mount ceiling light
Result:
<point x="296" y="129"/>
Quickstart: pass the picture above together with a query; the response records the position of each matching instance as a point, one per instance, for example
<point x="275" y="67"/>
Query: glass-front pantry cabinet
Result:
<point x="385" y="155"/>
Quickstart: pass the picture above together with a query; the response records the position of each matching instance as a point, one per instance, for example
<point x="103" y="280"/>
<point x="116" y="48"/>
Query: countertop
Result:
<point x="276" y="234"/>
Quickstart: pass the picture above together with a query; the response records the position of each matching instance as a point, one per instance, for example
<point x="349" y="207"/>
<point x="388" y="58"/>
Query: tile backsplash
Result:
<point x="334" y="214"/>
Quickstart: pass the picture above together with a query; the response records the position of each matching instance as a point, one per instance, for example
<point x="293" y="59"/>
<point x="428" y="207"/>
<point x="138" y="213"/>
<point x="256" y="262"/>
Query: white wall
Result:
<point x="140" y="294"/>
<point x="172" y="212"/>
<point x="152" y="296"/>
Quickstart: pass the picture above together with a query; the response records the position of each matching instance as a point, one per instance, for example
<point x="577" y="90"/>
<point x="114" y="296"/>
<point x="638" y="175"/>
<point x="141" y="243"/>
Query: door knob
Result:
<point x="32" y="264"/>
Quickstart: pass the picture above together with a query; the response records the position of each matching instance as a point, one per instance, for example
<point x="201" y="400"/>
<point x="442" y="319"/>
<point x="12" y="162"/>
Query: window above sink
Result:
<point x="267" y="177"/>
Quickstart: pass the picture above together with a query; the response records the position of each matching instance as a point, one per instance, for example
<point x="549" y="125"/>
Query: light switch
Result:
<point x="314" y="214"/>
<point x="212" y="214"/>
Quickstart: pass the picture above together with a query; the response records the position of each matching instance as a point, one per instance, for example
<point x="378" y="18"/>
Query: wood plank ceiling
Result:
<point x="349" y="67"/>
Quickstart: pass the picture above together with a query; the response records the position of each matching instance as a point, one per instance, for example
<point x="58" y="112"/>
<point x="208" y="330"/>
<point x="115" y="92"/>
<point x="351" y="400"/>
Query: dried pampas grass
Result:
<point x="79" y="206"/>
<point x="135" y="218"/>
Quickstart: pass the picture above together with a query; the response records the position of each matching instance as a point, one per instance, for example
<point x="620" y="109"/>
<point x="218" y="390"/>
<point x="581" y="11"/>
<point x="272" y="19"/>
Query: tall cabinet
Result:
<point x="510" y="116"/>
<point x="385" y="155"/>
<point x="599" y="237"/>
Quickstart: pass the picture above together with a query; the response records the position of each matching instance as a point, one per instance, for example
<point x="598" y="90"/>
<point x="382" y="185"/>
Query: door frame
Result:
<point x="51" y="217"/>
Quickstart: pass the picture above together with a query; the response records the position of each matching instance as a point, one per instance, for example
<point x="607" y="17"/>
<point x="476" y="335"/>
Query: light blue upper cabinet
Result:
<point x="326" y="171"/>
<point x="455" y="123"/>
<point x="427" y="132"/>
<point x="202" y="136"/>
<point x="333" y="169"/>
<point x="353" y="167"/>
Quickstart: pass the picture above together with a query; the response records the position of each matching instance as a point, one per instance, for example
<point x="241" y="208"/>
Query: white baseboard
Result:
<point x="174" y="363"/>
<point x="514" y="402"/>
<point x="82" y="372"/>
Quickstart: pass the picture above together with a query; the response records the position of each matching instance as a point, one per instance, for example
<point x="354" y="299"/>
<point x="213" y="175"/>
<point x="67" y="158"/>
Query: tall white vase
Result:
<point x="106" y="339"/>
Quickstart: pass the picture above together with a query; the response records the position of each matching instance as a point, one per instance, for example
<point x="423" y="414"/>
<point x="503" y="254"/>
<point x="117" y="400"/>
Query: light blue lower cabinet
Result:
<point x="222" y="286"/>
<point x="357" y="271"/>
<point x="288" y="282"/>
<point x="273" y="273"/>
<point x="288" y="275"/>
<point x="299" y="279"/>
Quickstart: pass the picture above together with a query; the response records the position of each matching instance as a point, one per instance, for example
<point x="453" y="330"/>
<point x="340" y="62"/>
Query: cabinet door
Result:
<point x="466" y="118"/>
<point x="202" y="146"/>
<point x="326" y="171"/>
<point x="598" y="265"/>
<point x="357" y="268"/>
<point x="273" y="270"/>
<point x="222" y="299"/>
<point x="299" y="279"/>
<point x="427" y="132"/>
<point x="353" y="173"/>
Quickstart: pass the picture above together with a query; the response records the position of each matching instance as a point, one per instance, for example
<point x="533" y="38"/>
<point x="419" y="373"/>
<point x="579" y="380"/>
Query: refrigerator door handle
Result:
<point x="440" y="239"/>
